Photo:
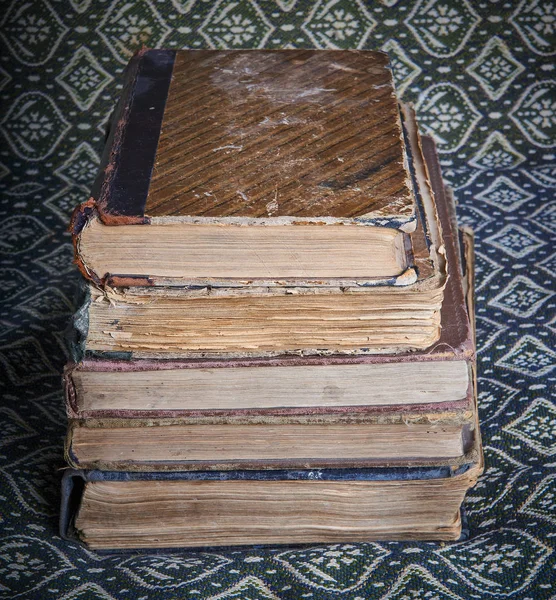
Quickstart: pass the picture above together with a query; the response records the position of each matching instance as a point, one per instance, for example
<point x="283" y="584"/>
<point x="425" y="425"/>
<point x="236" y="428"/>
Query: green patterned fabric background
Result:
<point x="481" y="75"/>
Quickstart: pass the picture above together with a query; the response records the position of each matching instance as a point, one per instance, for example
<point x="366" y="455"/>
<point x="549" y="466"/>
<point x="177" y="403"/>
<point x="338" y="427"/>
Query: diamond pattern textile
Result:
<point x="482" y="77"/>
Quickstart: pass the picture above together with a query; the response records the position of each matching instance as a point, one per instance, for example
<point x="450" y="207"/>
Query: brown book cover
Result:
<point x="213" y="122"/>
<point x="260" y="137"/>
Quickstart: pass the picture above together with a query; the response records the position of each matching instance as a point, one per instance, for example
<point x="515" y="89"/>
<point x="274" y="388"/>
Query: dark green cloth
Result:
<point x="481" y="74"/>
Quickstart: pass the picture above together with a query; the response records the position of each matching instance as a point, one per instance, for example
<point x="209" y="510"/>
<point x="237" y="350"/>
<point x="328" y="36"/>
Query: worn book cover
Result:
<point x="259" y="150"/>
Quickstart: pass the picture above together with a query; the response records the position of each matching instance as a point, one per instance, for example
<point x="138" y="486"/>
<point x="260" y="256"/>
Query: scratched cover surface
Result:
<point x="289" y="133"/>
<point x="480" y="74"/>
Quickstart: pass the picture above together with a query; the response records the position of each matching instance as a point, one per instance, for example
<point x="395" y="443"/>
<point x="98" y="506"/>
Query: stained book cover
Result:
<point x="215" y="126"/>
<point x="260" y="137"/>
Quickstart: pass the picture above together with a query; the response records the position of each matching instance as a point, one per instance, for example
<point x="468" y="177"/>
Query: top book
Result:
<point x="262" y="137"/>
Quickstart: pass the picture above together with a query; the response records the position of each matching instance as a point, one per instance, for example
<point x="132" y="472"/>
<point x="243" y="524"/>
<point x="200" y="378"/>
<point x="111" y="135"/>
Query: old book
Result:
<point x="110" y="510"/>
<point x="161" y="445"/>
<point x="287" y="386"/>
<point x="257" y="168"/>
<point x="151" y="322"/>
<point x="382" y="387"/>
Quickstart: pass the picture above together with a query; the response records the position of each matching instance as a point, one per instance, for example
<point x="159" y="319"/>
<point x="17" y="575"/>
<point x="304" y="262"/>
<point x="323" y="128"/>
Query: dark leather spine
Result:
<point x="119" y="193"/>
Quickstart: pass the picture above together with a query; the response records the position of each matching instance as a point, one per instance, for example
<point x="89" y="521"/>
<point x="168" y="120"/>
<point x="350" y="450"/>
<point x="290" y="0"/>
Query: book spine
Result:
<point x="95" y="206"/>
<point x="146" y="83"/>
<point x="73" y="483"/>
<point x="462" y="342"/>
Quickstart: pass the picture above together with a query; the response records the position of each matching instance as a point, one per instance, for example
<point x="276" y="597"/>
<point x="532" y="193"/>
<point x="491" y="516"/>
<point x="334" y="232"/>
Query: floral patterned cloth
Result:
<point x="481" y="75"/>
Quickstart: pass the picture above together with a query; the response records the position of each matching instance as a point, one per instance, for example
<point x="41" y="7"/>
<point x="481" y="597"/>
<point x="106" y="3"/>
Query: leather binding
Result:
<point x="217" y="98"/>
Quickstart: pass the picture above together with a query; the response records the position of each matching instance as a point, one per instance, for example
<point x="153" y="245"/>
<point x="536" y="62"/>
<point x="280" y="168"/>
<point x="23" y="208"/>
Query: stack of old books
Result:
<point x="275" y="346"/>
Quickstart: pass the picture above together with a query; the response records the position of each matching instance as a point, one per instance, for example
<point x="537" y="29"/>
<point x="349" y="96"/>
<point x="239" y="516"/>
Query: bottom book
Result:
<point x="123" y="510"/>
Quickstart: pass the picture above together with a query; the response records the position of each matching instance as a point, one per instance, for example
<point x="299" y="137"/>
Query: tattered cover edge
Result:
<point x="126" y="164"/>
<point x="453" y="313"/>
<point x="468" y="248"/>
<point x="250" y="465"/>
<point x="440" y="413"/>
<point x="74" y="480"/>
